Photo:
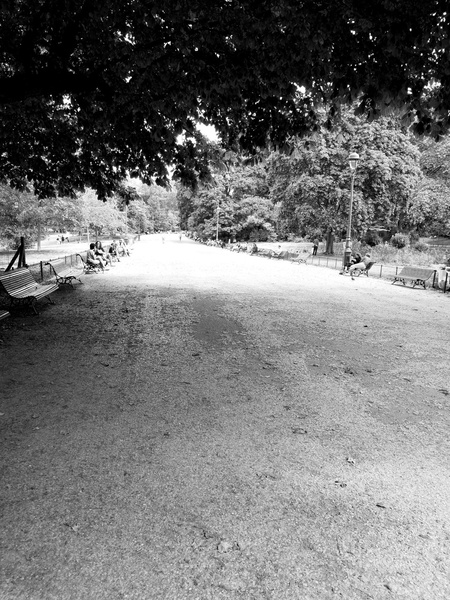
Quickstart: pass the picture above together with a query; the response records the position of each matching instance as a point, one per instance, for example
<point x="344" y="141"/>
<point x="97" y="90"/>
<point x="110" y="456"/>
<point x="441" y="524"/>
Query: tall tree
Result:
<point x="429" y="208"/>
<point x="312" y="186"/>
<point x="236" y="206"/>
<point x="101" y="217"/>
<point x="93" y="91"/>
<point x="20" y="214"/>
<point x="159" y="207"/>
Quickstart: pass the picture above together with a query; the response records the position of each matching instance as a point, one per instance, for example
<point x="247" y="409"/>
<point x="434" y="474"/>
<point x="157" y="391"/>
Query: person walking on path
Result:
<point x="315" y="246"/>
<point x="329" y="250"/>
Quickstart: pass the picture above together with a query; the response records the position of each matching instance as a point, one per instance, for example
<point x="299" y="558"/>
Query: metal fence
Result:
<point x="42" y="271"/>
<point x="378" y="270"/>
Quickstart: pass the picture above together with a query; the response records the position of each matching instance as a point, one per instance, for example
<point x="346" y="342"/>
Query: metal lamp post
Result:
<point x="226" y="179"/>
<point x="217" y="222"/>
<point x="353" y="162"/>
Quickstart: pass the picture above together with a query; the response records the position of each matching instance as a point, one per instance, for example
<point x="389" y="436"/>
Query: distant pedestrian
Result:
<point x="330" y="242"/>
<point x="315" y="246"/>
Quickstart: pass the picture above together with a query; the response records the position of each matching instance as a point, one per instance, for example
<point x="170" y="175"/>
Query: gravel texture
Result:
<point x="200" y="424"/>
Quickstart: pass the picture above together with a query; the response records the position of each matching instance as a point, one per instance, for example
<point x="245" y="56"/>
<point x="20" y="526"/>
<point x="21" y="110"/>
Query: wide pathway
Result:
<point x="200" y="424"/>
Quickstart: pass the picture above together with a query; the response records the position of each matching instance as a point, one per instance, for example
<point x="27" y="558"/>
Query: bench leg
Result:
<point x="69" y="280"/>
<point x="33" y="306"/>
<point x="418" y="282"/>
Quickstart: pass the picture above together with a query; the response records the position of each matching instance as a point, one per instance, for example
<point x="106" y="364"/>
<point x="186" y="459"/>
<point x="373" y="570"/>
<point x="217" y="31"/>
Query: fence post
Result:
<point x="445" y="282"/>
<point x="41" y="266"/>
<point x="381" y="270"/>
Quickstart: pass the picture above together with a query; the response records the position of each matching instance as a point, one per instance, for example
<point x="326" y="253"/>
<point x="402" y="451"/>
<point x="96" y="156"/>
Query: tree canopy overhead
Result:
<point x="93" y="91"/>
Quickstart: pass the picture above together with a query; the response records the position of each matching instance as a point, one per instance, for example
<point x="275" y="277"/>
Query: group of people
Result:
<point x="102" y="259"/>
<point x="357" y="262"/>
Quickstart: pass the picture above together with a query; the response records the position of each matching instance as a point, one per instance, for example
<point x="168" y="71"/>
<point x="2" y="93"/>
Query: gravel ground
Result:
<point x="201" y="424"/>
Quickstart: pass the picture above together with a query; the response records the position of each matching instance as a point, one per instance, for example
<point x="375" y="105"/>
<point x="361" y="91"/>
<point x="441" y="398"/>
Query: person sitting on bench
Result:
<point x="360" y="265"/>
<point x="113" y="251"/>
<point x="100" y="253"/>
<point x="123" y="248"/>
<point x="93" y="259"/>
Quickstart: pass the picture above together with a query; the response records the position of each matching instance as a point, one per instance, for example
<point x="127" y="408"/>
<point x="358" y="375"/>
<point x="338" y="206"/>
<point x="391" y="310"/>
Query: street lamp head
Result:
<point x="353" y="160"/>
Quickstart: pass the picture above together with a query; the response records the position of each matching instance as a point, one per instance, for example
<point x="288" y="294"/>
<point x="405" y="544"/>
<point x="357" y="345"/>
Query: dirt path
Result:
<point x="200" y="424"/>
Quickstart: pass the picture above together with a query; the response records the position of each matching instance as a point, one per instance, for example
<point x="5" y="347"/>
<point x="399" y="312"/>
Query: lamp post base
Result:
<point x="346" y="261"/>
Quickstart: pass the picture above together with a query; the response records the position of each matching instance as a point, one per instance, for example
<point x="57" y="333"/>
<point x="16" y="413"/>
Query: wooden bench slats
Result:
<point x="296" y="257"/>
<point x="416" y="275"/>
<point x="280" y="255"/>
<point x="65" y="274"/>
<point x="21" y="288"/>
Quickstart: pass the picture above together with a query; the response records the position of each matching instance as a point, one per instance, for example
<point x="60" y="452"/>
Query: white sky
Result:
<point x="208" y="131"/>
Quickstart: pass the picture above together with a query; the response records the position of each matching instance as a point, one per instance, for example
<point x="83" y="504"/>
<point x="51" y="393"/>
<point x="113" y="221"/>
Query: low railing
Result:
<point x="42" y="271"/>
<point x="379" y="270"/>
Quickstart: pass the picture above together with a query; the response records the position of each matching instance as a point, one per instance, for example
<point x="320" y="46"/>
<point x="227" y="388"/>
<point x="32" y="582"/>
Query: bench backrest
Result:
<point x="418" y="272"/>
<point x="61" y="265"/>
<point x="18" y="280"/>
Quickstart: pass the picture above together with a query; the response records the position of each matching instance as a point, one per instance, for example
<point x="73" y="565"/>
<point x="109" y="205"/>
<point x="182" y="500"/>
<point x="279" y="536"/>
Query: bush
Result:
<point x="372" y="238"/>
<point x="399" y="240"/>
<point x="414" y="237"/>
<point x="421" y="247"/>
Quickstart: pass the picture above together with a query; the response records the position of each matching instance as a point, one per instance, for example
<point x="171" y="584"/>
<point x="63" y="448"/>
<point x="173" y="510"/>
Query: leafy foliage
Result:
<point x="23" y="214"/>
<point x="91" y="92"/>
<point x="429" y="208"/>
<point x="435" y="159"/>
<point x="372" y="238"/>
<point x="399" y="240"/>
<point x="99" y="216"/>
<point x="14" y="208"/>
<point x="238" y="204"/>
<point x="421" y="247"/>
<point x="155" y="209"/>
<point x="312" y="187"/>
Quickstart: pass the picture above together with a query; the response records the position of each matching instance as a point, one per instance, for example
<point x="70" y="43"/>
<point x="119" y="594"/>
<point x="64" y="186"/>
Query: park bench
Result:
<point x="364" y="271"/>
<point x="286" y="255"/>
<point x="296" y="257"/>
<point x="416" y="275"/>
<point x="264" y="252"/>
<point x="66" y="273"/>
<point x="4" y="314"/>
<point x="283" y="254"/>
<point x="21" y="288"/>
<point x="88" y="267"/>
